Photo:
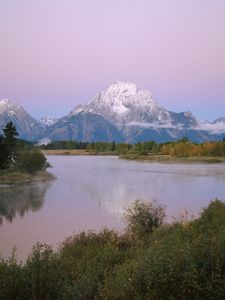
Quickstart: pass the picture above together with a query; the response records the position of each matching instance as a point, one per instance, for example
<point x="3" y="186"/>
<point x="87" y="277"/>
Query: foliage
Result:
<point x="183" y="260"/>
<point x="8" y="149"/>
<point x="186" y="149"/>
<point x="16" y="154"/>
<point x="143" y="218"/>
<point x="31" y="161"/>
<point x="180" y="148"/>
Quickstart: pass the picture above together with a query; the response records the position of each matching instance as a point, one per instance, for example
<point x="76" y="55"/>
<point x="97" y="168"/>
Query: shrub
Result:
<point x="183" y="260"/>
<point x="143" y="218"/>
<point x="32" y="161"/>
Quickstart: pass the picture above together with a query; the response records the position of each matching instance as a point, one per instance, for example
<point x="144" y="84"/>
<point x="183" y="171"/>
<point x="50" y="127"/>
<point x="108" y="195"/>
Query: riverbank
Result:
<point x="16" y="177"/>
<point x="76" y="152"/>
<point x="161" y="158"/>
<point x="173" y="159"/>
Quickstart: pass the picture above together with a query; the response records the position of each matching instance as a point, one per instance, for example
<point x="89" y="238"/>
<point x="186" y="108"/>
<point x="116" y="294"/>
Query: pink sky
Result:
<point x="55" y="54"/>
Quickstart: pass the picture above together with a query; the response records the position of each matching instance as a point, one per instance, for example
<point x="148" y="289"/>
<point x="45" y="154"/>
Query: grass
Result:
<point x="16" y="177"/>
<point x="173" y="159"/>
<point x="65" y="152"/>
<point x="75" y="152"/>
<point x="136" y="156"/>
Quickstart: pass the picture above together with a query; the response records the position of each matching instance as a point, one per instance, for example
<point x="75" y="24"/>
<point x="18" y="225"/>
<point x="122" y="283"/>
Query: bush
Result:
<point x="143" y="218"/>
<point x="183" y="260"/>
<point x="32" y="161"/>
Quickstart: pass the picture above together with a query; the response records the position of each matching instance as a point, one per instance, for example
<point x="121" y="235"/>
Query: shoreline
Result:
<point x="76" y="152"/>
<point x="16" y="177"/>
<point x="167" y="159"/>
<point x="159" y="158"/>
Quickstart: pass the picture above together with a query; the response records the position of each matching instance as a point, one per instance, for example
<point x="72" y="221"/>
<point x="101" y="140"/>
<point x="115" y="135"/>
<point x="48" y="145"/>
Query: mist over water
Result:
<point x="91" y="192"/>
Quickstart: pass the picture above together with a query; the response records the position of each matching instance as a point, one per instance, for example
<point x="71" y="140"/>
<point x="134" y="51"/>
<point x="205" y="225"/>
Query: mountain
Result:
<point x="139" y="117"/>
<point x="219" y="120"/>
<point x="121" y="113"/>
<point x="83" y="127"/>
<point x="124" y="103"/>
<point x="27" y="127"/>
<point x="48" y="121"/>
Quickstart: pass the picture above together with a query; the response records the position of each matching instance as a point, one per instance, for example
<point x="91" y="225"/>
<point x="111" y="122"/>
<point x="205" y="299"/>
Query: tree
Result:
<point x="3" y="154"/>
<point x="113" y="146"/>
<point x="8" y="151"/>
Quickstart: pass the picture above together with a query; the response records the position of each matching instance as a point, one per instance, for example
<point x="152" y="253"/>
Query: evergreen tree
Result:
<point x="8" y="151"/>
<point x="3" y="154"/>
<point x="113" y="146"/>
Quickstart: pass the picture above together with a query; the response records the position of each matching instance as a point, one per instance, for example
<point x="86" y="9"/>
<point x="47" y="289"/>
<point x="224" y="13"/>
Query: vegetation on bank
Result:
<point x="150" y="260"/>
<point x="179" y="151"/>
<point x="19" y="160"/>
<point x="163" y="158"/>
<point x="16" y="177"/>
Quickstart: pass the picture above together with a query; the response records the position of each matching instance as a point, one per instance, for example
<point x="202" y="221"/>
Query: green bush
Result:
<point x="87" y="258"/>
<point x="143" y="217"/>
<point x="32" y="161"/>
<point x="11" y="279"/>
<point x="183" y="260"/>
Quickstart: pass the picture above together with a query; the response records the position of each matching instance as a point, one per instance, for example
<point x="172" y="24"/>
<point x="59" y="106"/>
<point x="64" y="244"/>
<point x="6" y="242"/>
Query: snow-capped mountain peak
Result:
<point x="6" y="105"/>
<point x="4" y="102"/>
<point x="48" y="120"/>
<point x="123" y="103"/>
<point x="119" y="87"/>
<point x="28" y="127"/>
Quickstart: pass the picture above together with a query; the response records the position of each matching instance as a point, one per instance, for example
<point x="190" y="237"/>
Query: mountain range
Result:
<point x="121" y="113"/>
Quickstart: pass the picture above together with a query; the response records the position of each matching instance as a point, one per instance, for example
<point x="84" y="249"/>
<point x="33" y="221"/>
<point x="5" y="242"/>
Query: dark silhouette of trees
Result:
<point x="8" y="151"/>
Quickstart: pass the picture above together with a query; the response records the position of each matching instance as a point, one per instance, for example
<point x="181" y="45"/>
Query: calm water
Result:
<point x="92" y="192"/>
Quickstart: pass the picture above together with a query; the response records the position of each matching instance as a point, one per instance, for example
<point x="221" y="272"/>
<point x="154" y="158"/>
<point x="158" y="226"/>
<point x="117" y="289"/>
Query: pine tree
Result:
<point x="3" y="154"/>
<point x="8" y="151"/>
<point x="113" y="146"/>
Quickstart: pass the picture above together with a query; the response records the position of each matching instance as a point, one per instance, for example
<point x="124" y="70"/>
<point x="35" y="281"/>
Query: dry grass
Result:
<point x="15" y="177"/>
<point x="173" y="159"/>
<point x="77" y="152"/>
<point x="67" y="152"/>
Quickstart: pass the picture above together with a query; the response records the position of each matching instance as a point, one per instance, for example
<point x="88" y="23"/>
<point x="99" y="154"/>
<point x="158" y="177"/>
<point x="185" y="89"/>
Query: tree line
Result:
<point x="185" y="148"/>
<point x="180" y="148"/>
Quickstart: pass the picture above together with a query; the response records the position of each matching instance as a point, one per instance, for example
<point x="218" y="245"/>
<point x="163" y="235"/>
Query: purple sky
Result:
<point x="55" y="54"/>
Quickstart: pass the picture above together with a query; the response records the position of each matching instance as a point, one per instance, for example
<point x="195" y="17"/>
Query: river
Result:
<point x="92" y="192"/>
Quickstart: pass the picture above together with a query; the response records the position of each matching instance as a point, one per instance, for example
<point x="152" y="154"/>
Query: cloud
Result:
<point x="218" y="127"/>
<point x="151" y="125"/>
<point x="44" y="141"/>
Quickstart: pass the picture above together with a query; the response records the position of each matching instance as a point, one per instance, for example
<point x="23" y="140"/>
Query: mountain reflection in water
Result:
<point x="19" y="199"/>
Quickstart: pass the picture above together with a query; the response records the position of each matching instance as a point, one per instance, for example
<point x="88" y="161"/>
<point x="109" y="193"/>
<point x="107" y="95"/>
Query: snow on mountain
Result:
<point x="121" y="113"/>
<point x="219" y="120"/>
<point x="27" y="127"/>
<point x="7" y="106"/>
<point x="123" y="103"/>
<point x="48" y="121"/>
<point x="215" y="127"/>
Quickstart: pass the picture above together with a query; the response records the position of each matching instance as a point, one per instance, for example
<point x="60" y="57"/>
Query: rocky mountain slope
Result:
<point x="27" y="127"/>
<point x="121" y="113"/>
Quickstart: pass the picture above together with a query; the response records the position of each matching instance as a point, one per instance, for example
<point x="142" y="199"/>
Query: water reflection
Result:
<point x="113" y="184"/>
<point x="92" y="192"/>
<point x="19" y="199"/>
